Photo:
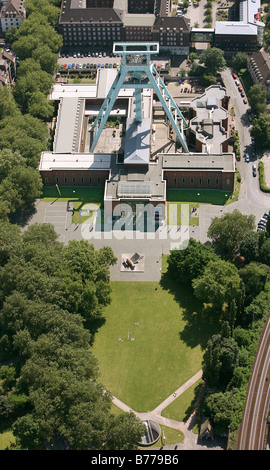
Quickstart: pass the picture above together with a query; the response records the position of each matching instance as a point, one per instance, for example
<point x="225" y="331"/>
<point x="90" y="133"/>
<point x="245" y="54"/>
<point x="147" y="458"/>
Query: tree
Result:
<point x="213" y="60"/>
<point x="46" y="58"/>
<point x="220" y="407"/>
<point x="22" y="186"/>
<point x="219" y="361"/>
<point x="249" y="246"/>
<point x="257" y="98"/>
<point x="265" y="252"/>
<point x="261" y="131"/>
<point x="26" y="431"/>
<point x="228" y="231"/>
<point x="220" y="283"/>
<point x="40" y="107"/>
<point x="254" y="276"/>
<point x="124" y="432"/>
<point x="186" y="265"/>
<point x="29" y="83"/>
<point x="10" y="236"/>
<point x="240" y="60"/>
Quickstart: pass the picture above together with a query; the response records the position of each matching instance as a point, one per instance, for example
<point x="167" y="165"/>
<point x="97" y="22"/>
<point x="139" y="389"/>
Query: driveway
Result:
<point x="251" y="199"/>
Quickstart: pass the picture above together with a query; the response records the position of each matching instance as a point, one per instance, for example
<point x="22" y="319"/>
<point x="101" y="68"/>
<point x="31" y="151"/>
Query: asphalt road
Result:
<point x="251" y="199"/>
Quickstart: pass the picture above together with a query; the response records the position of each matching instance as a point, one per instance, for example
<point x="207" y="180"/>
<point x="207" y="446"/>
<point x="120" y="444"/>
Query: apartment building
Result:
<point x="12" y="14"/>
<point x="88" y="22"/>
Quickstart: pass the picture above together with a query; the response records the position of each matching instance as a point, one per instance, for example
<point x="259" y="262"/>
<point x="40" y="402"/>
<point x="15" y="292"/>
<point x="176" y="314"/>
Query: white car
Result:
<point x="247" y="158"/>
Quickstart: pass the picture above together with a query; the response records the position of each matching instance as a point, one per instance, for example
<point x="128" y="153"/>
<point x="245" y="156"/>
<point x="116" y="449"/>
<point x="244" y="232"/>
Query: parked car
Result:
<point x="262" y="222"/>
<point x="265" y="216"/>
<point x="260" y="229"/>
<point x="240" y="88"/>
<point x="245" y="101"/>
<point x="254" y="170"/>
<point x="247" y="158"/>
<point x="234" y="75"/>
<point x="237" y="83"/>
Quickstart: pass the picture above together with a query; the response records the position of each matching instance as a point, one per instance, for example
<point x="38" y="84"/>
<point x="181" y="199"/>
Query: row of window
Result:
<point x="77" y="181"/>
<point x="191" y="181"/>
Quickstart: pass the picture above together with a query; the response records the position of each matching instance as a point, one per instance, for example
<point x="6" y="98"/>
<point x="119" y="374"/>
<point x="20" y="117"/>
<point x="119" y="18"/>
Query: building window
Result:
<point x="183" y="181"/>
<point x="208" y="182"/>
<point x="175" y="182"/>
<point x="200" y="181"/>
<point x="74" y="180"/>
<point x="65" y="180"/>
<point x="217" y="182"/>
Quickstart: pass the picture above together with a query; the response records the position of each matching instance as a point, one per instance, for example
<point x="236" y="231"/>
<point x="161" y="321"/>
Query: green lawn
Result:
<point x="78" y="195"/>
<point x="174" y="215"/>
<point x="6" y="439"/>
<point x="206" y="196"/>
<point x="181" y="408"/>
<point x="142" y="364"/>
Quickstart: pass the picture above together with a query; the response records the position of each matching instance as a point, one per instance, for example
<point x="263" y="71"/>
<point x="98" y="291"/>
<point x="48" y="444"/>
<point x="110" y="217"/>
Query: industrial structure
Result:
<point x="127" y="134"/>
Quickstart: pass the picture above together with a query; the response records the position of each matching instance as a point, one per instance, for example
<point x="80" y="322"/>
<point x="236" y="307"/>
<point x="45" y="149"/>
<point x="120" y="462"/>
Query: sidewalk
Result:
<point x="190" y="441"/>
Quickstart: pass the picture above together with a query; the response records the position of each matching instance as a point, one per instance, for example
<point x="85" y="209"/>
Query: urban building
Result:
<point x="246" y="34"/>
<point x="101" y="23"/>
<point x="12" y="14"/>
<point x="259" y="69"/>
<point x="106" y="135"/>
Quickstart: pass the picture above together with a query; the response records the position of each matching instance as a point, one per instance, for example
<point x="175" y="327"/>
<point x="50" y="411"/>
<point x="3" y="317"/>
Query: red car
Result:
<point x="245" y="100"/>
<point x="234" y="75"/>
<point x="240" y="88"/>
<point x="65" y="66"/>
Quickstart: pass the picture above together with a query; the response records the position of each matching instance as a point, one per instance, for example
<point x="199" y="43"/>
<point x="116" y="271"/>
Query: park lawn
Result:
<point x="182" y="407"/>
<point x="6" y="439"/>
<point x="174" y="216"/>
<point x="203" y="196"/>
<point x="79" y="196"/>
<point x="142" y="364"/>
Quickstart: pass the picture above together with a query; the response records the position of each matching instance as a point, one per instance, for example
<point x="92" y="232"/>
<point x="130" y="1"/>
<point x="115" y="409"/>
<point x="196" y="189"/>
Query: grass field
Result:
<point x="78" y="195"/>
<point x="151" y="343"/>
<point x="204" y="196"/>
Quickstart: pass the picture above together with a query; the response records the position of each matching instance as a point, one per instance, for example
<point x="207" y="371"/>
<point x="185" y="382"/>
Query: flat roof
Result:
<point x="235" y="28"/>
<point x="198" y="161"/>
<point x="61" y="90"/>
<point x="80" y="161"/>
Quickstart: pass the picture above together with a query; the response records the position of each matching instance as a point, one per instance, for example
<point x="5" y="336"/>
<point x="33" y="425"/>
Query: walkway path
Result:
<point x="190" y="441"/>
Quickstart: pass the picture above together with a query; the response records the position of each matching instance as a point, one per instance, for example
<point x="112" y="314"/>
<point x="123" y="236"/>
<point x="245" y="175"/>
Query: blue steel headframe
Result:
<point x="141" y="74"/>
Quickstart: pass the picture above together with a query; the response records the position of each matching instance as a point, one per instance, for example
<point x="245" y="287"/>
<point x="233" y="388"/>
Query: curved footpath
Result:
<point x="191" y="441"/>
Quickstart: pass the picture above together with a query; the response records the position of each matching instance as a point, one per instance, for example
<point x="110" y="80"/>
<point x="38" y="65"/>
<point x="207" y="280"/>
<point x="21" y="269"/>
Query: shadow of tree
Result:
<point x="201" y="322"/>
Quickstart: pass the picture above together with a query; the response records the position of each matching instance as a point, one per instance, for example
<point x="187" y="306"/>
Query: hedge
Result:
<point x="263" y="186"/>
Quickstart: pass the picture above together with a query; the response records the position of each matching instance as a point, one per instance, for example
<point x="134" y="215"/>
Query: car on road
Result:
<point x="254" y="170"/>
<point x="247" y="158"/>
<point x="234" y="75"/>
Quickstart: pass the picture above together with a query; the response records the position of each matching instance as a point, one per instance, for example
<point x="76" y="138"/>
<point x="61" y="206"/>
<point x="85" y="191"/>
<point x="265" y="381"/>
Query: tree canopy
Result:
<point x="47" y="292"/>
<point x="227" y="232"/>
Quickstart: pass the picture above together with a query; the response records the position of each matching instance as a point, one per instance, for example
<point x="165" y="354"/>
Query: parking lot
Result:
<point x="90" y="61"/>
